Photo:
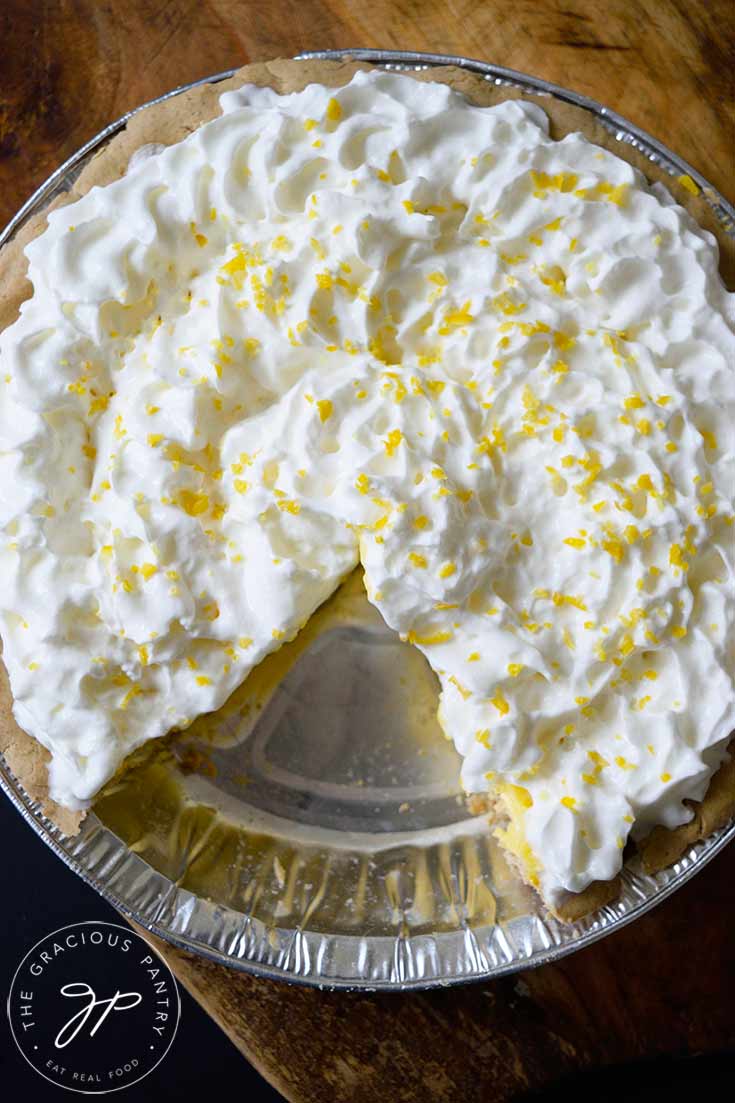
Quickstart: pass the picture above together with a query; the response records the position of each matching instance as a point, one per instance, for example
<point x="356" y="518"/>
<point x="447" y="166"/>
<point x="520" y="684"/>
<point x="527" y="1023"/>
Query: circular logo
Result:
<point x="93" y="1007"/>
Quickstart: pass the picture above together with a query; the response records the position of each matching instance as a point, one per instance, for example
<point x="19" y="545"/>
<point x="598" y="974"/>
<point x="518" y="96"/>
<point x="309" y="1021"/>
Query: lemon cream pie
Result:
<point x="377" y="323"/>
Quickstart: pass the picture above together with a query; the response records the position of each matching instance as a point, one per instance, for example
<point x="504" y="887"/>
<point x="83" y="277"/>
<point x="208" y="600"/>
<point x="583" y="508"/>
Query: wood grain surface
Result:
<point x="69" y="67"/>
<point x="660" y="986"/>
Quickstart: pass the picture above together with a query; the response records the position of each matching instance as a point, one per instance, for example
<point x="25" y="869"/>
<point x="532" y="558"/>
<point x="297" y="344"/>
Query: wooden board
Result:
<point x="69" y="69"/>
<point x="660" y="986"/>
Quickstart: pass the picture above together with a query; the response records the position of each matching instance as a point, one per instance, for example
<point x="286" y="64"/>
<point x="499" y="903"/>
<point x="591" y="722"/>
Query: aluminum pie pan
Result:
<point x="402" y="950"/>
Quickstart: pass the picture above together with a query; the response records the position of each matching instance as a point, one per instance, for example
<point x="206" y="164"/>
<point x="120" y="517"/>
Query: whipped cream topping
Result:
<point x="379" y="324"/>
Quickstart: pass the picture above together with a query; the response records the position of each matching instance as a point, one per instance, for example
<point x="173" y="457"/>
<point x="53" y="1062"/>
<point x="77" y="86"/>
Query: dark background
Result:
<point x="39" y="895"/>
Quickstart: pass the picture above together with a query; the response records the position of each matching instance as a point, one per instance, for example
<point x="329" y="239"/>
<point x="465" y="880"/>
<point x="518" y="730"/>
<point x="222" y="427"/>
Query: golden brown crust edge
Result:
<point x="170" y="122"/>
